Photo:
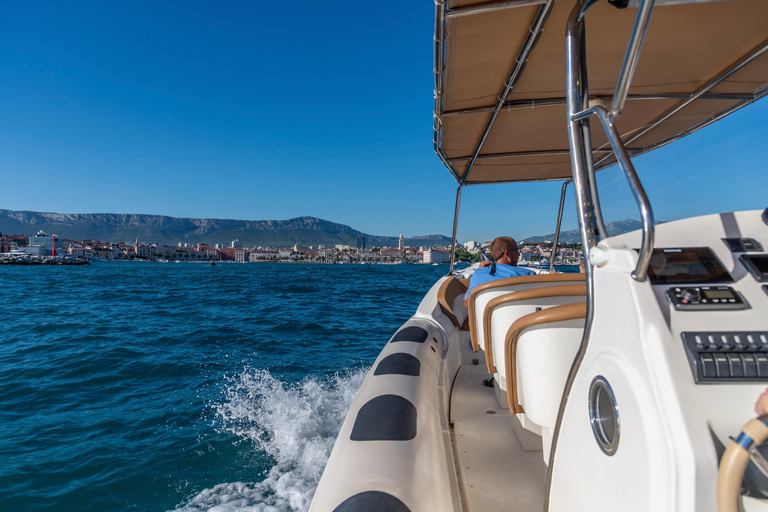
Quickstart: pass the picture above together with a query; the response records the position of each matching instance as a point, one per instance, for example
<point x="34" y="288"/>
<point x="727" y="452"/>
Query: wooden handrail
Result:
<point x="545" y="316"/>
<point x="449" y="290"/>
<point x="510" y="281"/>
<point x="568" y="290"/>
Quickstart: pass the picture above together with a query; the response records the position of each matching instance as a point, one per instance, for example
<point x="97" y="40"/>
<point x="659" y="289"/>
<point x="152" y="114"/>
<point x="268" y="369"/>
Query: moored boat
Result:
<point x="616" y="389"/>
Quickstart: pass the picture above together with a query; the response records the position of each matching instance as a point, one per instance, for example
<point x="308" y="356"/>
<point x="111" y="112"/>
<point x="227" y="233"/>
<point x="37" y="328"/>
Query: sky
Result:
<point x="272" y="110"/>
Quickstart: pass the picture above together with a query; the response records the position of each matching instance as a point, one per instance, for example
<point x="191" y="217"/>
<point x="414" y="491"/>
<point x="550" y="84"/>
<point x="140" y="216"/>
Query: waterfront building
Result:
<point x="525" y="256"/>
<point x="7" y="246"/>
<point x="328" y="254"/>
<point x="360" y="242"/>
<point x="105" y="252"/>
<point x="236" y="254"/>
<point x="262" y="254"/>
<point x="436" y="256"/>
<point x="19" y="240"/>
<point x="79" y="251"/>
<point x="394" y="254"/>
<point x="33" y="250"/>
<point x="305" y="251"/>
<point x="47" y="243"/>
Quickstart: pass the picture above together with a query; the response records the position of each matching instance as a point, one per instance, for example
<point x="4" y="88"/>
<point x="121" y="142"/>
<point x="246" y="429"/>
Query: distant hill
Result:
<point x="614" y="228"/>
<point x="117" y="227"/>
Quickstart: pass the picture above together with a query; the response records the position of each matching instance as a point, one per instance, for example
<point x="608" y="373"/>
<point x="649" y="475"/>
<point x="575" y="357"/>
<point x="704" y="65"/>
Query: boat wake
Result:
<point x="294" y="425"/>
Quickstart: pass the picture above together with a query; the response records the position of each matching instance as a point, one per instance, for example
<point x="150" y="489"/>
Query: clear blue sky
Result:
<point x="272" y="110"/>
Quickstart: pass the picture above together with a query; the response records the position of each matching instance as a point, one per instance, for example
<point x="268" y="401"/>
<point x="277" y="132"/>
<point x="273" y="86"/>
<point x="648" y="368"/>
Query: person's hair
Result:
<point x="500" y="245"/>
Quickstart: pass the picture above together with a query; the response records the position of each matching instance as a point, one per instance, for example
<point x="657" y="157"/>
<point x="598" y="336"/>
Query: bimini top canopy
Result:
<point x="700" y="61"/>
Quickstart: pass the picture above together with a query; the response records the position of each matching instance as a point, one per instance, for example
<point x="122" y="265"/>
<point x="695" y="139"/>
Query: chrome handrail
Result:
<point x="574" y="51"/>
<point x="455" y="226"/>
<point x="701" y="93"/>
<point x="557" y="229"/>
<point x="586" y="134"/>
<point x="625" y="163"/>
<point x="632" y="56"/>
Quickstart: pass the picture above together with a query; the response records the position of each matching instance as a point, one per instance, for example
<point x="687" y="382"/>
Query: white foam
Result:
<point x="296" y="425"/>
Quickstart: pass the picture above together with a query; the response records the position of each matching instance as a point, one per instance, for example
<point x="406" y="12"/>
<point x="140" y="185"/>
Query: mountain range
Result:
<point x="614" y="228"/>
<point x="116" y="227"/>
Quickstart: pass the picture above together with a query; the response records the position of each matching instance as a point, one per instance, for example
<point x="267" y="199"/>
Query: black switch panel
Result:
<point x="743" y="244"/>
<point x="727" y="357"/>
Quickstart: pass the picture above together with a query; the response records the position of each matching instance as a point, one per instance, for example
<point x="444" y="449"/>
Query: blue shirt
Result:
<point x="483" y="275"/>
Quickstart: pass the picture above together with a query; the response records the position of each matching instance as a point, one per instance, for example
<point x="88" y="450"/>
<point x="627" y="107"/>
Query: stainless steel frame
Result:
<point x="577" y="114"/>
<point x="723" y="113"/>
<point x="557" y="228"/>
<point x="573" y="53"/>
<point x="543" y="102"/>
<point x="491" y="7"/>
<point x="586" y="133"/>
<point x="439" y="70"/>
<point x="491" y="156"/>
<point x="455" y="226"/>
<point x="514" y="76"/>
<point x="631" y="57"/>
<point x="580" y="141"/>
<point x="646" y="214"/>
<point x="755" y="53"/>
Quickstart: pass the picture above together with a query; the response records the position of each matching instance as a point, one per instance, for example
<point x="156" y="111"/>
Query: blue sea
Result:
<point x="188" y="387"/>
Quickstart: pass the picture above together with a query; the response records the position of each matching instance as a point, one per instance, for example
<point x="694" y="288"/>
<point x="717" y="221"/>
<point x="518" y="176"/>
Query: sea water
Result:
<point x="190" y="387"/>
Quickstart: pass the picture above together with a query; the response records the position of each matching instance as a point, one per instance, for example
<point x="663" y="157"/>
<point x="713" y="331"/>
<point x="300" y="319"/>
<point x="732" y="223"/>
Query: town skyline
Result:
<point x="45" y="247"/>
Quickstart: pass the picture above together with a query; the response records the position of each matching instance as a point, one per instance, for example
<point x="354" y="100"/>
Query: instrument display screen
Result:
<point x="686" y="265"/>
<point x="757" y="266"/>
<point x="717" y="294"/>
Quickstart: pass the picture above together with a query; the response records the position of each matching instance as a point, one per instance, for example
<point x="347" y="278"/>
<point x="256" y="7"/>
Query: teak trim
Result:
<point x="568" y="290"/>
<point x="510" y="281"/>
<point x="449" y="290"/>
<point x="545" y="316"/>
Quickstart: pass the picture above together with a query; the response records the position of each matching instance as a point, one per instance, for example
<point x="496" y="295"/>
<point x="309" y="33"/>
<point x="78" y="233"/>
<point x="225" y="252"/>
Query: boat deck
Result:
<point x="495" y="472"/>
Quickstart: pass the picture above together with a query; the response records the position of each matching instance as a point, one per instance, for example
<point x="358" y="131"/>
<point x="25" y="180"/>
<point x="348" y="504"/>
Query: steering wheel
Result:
<point x="734" y="463"/>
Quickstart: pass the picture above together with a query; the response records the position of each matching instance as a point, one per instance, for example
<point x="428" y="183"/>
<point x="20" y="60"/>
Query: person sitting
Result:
<point x="503" y="264"/>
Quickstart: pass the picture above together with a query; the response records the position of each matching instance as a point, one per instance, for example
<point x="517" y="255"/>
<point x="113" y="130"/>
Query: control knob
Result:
<point x="691" y="294"/>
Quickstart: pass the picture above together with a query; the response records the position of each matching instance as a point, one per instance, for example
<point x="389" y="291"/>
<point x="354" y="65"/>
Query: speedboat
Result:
<point x="631" y="386"/>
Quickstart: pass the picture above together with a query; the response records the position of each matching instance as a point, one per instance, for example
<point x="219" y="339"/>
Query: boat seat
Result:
<point x="503" y="311"/>
<point x="481" y="295"/>
<point x="450" y="297"/>
<point x="539" y="352"/>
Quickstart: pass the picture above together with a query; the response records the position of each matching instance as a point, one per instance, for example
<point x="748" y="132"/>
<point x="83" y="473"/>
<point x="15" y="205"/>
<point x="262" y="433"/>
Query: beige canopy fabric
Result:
<point x="686" y="47"/>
